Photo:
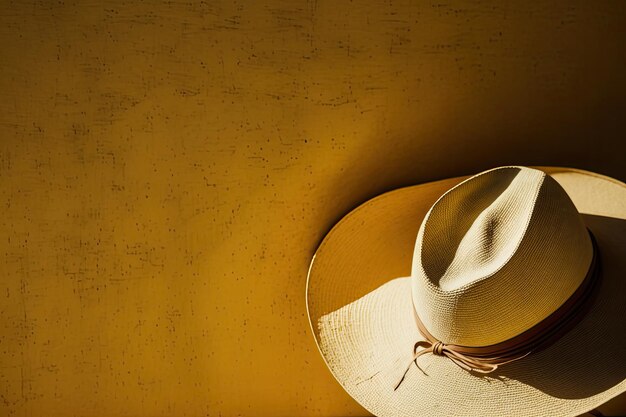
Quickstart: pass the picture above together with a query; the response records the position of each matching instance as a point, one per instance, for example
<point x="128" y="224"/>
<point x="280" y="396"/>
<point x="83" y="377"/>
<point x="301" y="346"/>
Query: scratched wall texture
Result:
<point x="167" y="169"/>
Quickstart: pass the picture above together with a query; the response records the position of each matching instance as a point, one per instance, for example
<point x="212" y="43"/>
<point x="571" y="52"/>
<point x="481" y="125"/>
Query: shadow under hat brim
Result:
<point x="360" y="314"/>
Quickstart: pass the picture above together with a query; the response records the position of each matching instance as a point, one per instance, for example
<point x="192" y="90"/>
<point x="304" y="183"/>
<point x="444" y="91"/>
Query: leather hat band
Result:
<point x="486" y="359"/>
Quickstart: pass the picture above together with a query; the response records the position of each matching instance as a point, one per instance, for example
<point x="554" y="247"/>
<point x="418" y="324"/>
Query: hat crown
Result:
<point x="497" y="254"/>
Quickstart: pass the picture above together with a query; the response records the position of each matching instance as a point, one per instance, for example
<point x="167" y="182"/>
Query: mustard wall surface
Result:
<point x="168" y="168"/>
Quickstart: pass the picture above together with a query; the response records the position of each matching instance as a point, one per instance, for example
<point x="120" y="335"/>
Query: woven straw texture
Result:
<point x="361" y="313"/>
<point x="500" y="251"/>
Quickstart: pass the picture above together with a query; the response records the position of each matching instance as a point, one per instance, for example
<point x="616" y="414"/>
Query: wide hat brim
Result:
<point x="360" y="313"/>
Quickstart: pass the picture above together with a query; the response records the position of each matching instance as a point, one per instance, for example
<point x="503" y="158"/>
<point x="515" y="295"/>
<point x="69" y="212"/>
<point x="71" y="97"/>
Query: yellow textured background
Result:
<point x="168" y="168"/>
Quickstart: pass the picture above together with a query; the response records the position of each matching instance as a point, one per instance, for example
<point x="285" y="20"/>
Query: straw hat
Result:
<point x="511" y="301"/>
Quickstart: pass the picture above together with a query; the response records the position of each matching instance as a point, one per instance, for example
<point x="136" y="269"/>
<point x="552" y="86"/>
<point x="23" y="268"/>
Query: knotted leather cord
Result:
<point x="486" y="359"/>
